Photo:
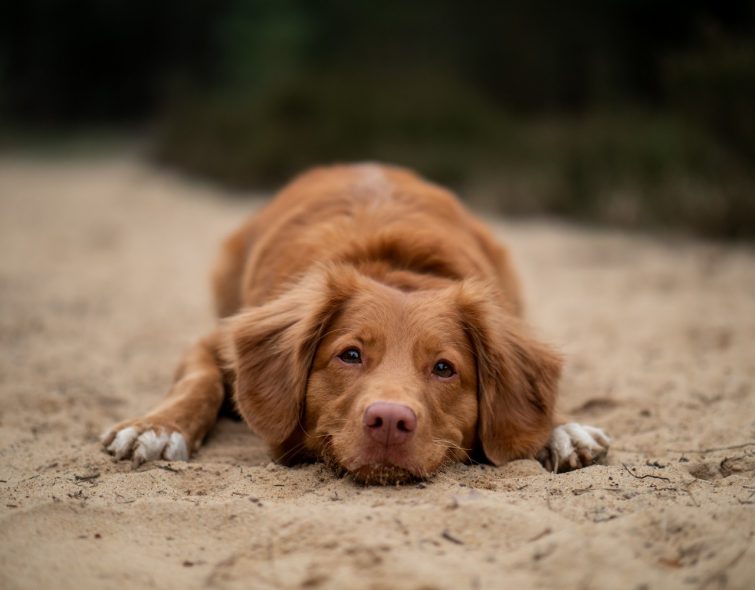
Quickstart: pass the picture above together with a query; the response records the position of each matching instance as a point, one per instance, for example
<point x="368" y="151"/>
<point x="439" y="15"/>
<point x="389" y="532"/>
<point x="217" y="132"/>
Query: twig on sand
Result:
<point x="88" y="477"/>
<point x="712" y="449"/>
<point x="168" y="468"/>
<point x="540" y="535"/>
<point x="646" y="476"/>
<point x="449" y="537"/>
<point x="580" y="491"/>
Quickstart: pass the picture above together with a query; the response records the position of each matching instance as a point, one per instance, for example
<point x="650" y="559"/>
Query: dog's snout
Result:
<point x="390" y="423"/>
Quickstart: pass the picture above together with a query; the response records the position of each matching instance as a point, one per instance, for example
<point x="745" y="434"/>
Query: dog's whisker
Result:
<point x="292" y="451"/>
<point x="449" y="443"/>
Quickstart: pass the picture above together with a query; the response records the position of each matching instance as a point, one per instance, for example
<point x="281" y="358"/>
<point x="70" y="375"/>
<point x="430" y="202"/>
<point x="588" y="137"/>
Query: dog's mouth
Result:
<point x="384" y="471"/>
<point x="383" y="474"/>
<point x="379" y="466"/>
<point x="374" y="473"/>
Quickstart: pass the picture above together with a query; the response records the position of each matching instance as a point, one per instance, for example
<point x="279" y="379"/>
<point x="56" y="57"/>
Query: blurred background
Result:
<point x="628" y="113"/>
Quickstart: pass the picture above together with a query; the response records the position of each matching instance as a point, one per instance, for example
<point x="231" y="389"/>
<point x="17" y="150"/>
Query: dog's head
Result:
<point x="391" y="384"/>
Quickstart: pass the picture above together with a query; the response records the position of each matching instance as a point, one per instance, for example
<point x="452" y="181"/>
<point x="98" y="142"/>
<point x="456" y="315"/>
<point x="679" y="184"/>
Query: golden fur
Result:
<point x="374" y="258"/>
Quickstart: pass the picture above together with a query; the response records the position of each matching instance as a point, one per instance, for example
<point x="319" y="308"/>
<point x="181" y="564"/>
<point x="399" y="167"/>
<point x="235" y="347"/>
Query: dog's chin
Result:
<point x="374" y="472"/>
<point x="380" y="466"/>
<point x="384" y="474"/>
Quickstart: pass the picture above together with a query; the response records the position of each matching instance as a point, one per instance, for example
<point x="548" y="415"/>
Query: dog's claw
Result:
<point x="572" y="446"/>
<point x="145" y="443"/>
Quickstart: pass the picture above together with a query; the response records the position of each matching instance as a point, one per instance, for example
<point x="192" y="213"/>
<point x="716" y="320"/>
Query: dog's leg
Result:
<point x="572" y="446"/>
<point x="176" y="427"/>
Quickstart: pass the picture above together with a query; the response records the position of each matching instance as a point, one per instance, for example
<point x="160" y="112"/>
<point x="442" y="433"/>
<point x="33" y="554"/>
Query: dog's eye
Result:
<point x="351" y="356"/>
<point x="444" y="369"/>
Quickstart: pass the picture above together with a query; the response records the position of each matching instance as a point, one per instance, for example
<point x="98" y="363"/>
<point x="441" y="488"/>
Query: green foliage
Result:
<point x="628" y="167"/>
<point x="714" y="87"/>
<point x="632" y="169"/>
<point x="260" y="140"/>
<point x="629" y="112"/>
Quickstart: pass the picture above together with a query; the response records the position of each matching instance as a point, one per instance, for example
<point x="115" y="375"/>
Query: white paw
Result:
<point x="145" y="444"/>
<point x="572" y="446"/>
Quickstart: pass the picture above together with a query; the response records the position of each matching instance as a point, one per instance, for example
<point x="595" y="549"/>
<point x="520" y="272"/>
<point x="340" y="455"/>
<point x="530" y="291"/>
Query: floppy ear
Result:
<point x="272" y="348"/>
<point x="517" y="377"/>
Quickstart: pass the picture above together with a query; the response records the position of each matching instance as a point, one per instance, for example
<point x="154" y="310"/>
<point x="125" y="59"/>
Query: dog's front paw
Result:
<point x="572" y="446"/>
<point x="145" y="440"/>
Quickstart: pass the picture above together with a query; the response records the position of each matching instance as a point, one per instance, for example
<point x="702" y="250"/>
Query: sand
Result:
<point x="103" y="282"/>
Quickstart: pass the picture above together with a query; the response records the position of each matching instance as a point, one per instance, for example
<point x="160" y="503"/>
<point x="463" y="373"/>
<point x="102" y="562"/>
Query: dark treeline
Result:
<point x="626" y="111"/>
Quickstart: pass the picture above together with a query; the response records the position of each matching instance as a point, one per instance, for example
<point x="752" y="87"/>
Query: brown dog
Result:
<point x="371" y="321"/>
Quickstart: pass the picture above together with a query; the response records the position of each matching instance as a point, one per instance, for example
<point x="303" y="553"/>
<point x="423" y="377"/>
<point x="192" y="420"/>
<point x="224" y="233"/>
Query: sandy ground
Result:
<point x="103" y="268"/>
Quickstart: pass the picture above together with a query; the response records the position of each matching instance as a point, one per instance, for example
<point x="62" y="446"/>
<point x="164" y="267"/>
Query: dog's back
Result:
<point x="383" y="220"/>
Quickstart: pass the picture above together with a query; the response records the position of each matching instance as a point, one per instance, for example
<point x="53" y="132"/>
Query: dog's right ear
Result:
<point x="271" y="348"/>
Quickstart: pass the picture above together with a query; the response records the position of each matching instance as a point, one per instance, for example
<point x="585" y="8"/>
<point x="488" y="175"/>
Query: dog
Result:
<point x="367" y="319"/>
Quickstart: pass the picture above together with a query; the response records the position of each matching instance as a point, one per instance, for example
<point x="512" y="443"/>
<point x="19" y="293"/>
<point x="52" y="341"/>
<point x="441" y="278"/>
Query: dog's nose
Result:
<point x="390" y="423"/>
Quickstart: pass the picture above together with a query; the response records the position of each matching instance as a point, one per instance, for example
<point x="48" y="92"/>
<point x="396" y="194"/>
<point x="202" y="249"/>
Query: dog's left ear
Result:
<point x="517" y="377"/>
<point x="271" y="348"/>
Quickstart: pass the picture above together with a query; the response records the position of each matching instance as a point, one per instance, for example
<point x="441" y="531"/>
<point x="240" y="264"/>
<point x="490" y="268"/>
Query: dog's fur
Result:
<point x="372" y="258"/>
